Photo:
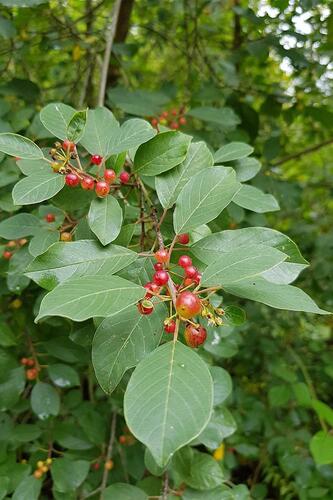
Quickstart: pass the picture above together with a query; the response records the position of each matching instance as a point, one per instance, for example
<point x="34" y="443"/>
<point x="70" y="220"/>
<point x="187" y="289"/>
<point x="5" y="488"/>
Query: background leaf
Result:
<point x="45" y="401"/>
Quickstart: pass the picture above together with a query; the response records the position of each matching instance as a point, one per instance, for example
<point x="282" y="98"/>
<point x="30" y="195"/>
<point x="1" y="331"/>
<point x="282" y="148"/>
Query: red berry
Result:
<point x="109" y="175"/>
<point x="162" y="255"/>
<point x="30" y="362"/>
<point x="124" y="177"/>
<point x="154" y="122"/>
<point x="151" y="287"/>
<point x="24" y="361"/>
<point x="188" y="281"/>
<point x="96" y="466"/>
<point x="7" y="255"/>
<point x="161" y="278"/>
<point x="197" y="278"/>
<point x="49" y="217"/>
<point x="190" y="271"/>
<point x="184" y="238"/>
<point x="31" y="374"/>
<point x="122" y="439"/>
<point x="174" y="125"/>
<point x="184" y="261"/>
<point x="174" y="112"/>
<point x="145" y="307"/>
<point x="182" y="120"/>
<point x="96" y="159"/>
<point x="88" y="183"/>
<point x="72" y="180"/>
<point x="102" y="189"/>
<point x="195" y="336"/>
<point x="158" y="266"/>
<point x="188" y="305"/>
<point x="165" y="114"/>
<point x="68" y="145"/>
<point x="170" y="326"/>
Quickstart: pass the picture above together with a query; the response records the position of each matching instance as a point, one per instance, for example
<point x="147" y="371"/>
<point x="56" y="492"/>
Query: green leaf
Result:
<point x="220" y="493"/>
<point x="68" y="475"/>
<point x="122" y="491"/>
<point x="284" y="273"/>
<point x="26" y="432"/>
<point x="4" y="486"/>
<point x="234" y="315"/>
<point x="122" y="341"/>
<point x="78" y="258"/>
<point x="56" y="117"/>
<point x="247" y="168"/>
<point x="28" y="489"/>
<point x="44" y="400"/>
<point x="16" y="281"/>
<point x="198" y="470"/>
<point x="232" y="151"/>
<point x="138" y="102"/>
<point x="254" y="199"/>
<point x="162" y="405"/>
<point x="226" y="118"/>
<point x="7" y="337"/>
<point x="222" y="384"/>
<point x="209" y="249"/>
<point x="241" y="263"/>
<point x="321" y="446"/>
<point x="90" y="296"/>
<point x="100" y="127"/>
<point x="11" y="389"/>
<point x="204" y="197"/>
<point x="323" y="411"/>
<point x="17" y="145"/>
<point x="63" y="375"/>
<point x="29" y="167"/>
<point x="105" y="218"/>
<point x="41" y="241"/>
<point x="161" y="153"/>
<point x="220" y="426"/>
<point x="37" y="187"/>
<point x="169" y="184"/>
<point x="76" y="126"/>
<point x="285" y="297"/>
<point x="130" y="135"/>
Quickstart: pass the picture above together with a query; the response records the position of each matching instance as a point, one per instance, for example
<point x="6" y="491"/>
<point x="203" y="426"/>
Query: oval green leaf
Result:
<point x="37" y="187"/>
<point x="17" y="145"/>
<point x="56" y="117"/>
<point x="105" y="218"/>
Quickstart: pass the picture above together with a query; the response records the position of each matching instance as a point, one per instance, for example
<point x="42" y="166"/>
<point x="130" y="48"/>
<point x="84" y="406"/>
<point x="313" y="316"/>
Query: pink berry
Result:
<point x="124" y="177"/>
<point x="184" y="261"/>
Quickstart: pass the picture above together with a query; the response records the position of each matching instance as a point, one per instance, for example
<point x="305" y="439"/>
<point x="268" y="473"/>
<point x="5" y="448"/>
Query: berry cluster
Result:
<point x="185" y="297"/>
<point x="42" y="467"/>
<point x="31" y="372"/>
<point x="102" y="183"/>
<point x="13" y="245"/>
<point x="173" y="119"/>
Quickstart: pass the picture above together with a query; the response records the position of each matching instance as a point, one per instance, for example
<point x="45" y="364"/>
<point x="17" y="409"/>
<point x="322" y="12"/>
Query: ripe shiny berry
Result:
<point x="174" y="125"/>
<point x="109" y="175"/>
<point x="88" y="183"/>
<point x="188" y="305"/>
<point x="102" y="189"/>
<point x="161" y="278"/>
<point x="190" y="271"/>
<point x="96" y="159"/>
<point x="162" y="255"/>
<point x="7" y="255"/>
<point x="182" y="120"/>
<point x="184" y="261"/>
<point x="31" y="374"/>
<point x="124" y="177"/>
<point x="72" y="180"/>
<point x="197" y="278"/>
<point x="65" y="236"/>
<point x="49" y="217"/>
<point x="184" y="238"/>
<point x="145" y="307"/>
<point x="170" y="326"/>
<point x="68" y="145"/>
<point x="195" y="336"/>
<point x="158" y="266"/>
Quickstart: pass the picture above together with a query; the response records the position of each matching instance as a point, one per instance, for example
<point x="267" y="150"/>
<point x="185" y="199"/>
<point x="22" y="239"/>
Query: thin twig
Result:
<point x="109" y="453"/>
<point x="111" y="31"/>
<point x="165" y="486"/>
<point x="305" y="151"/>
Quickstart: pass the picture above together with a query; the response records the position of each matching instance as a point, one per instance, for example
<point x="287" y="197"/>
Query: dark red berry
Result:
<point x="49" y="217"/>
<point x="102" y="189"/>
<point x="72" y="180"/>
<point x="184" y="238"/>
<point x="88" y="183"/>
<point x="188" y="305"/>
<point x="30" y="362"/>
<point x="197" y="278"/>
<point x="162" y="255"/>
<point x="161" y="278"/>
<point x="145" y="307"/>
<point x="109" y="175"/>
<point x="184" y="261"/>
<point x="96" y="159"/>
<point x="170" y="326"/>
<point x="158" y="266"/>
<point x="174" y="125"/>
<point x="195" y="335"/>
<point x="124" y="177"/>
<point x="7" y="254"/>
<point x="190" y="271"/>
<point x="68" y="145"/>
